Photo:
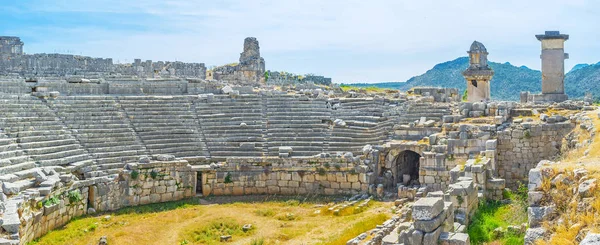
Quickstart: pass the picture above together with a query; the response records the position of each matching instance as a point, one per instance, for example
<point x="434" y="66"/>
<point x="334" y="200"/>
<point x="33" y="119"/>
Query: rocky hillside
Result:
<point x="508" y="81"/>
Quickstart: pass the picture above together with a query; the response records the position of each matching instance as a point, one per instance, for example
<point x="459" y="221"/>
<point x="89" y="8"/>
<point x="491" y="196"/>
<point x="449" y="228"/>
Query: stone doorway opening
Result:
<point x="199" y="183"/>
<point x="407" y="168"/>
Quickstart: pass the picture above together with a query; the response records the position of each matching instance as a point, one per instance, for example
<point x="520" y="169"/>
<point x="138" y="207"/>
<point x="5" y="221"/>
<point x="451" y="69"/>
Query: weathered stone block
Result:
<point x="427" y="208"/>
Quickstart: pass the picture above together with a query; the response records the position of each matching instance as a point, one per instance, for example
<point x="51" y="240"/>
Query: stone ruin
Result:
<point x="478" y="74"/>
<point x="71" y="146"/>
<point x="249" y="70"/>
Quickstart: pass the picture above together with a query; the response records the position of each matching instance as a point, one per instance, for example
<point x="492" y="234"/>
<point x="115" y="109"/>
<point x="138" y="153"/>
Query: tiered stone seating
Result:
<point x="233" y="126"/>
<point x="300" y="123"/>
<point x="102" y="128"/>
<point x="363" y="118"/>
<point x="15" y="165"/>
<point x="414" y="112"/>
<point x="41" y="134"/>
<point x="166" y="125"/>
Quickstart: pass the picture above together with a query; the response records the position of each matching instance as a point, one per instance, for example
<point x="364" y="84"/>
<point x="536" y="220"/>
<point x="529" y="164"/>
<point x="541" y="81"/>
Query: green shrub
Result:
<point x="228" y="178"/>
<point x="337" y="167"/>
<point x="74" y="196"/>
<point x="287" y="217"/>
<point x="465" y="96"/>
<point x="154" y="174"/>
<point x="257" y="241"/>
<point x="326" y="165"/>
<point x="265" y="212"/>
<point x="321" y="171"/>
<point x="135" y="174"/>
<point x="526" y="134"/>
<point x="51" y="201"/>
<point x="292" y="202"/>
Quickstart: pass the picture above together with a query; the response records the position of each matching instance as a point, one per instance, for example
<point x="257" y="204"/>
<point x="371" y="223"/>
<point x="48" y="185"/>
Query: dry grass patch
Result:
<point x="186" y="222"/>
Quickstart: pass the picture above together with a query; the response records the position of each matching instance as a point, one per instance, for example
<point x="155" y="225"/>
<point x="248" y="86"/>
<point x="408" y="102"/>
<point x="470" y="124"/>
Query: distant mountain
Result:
<point x="507" y="82"/>
<point x="585" y="79"/>
<point x="579" y="66"/>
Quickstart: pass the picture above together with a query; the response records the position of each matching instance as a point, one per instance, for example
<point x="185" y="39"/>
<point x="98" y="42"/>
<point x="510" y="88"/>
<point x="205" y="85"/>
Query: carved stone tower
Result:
<point x="553" y="65"/>
<point x="479" y="74"/>
<point x="250" y="60"/>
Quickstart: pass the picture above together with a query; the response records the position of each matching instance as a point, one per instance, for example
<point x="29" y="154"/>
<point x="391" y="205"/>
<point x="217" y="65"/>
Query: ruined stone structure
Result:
<point x="479" y="74"/>
<point x="249" y="70"/>
<point x="11" y="46"/>
<point x="15" y="63"/>
<point x="553" y="68"/>
<point x="76" y="145"/>
<point x="284" y="78"/>
<point x="553" y="62"/>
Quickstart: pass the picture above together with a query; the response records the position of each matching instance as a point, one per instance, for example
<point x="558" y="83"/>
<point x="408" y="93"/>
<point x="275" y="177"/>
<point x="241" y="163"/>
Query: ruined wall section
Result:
<point x="522" y="146"/>
<point x="286" y="177"/>
<point x="28" y="215"/>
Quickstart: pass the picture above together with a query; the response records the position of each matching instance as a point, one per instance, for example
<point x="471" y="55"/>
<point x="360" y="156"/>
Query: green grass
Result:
<point x="371" y="89"/>
<point x="212" y="232"/>
<point x="493" y="214"/>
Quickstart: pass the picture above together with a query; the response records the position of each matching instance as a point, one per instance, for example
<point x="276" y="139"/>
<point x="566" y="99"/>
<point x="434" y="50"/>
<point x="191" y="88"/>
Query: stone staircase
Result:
<point x="363" y="118"/>
<point x="103" y="129"/>
<point x="41" y="134"/>
<point x="166" y="125"/>
<point x="414" y="111"/>
<point x="15" y="165"/>
<point x="233" y="126"/>
<point x="298" y="122"/>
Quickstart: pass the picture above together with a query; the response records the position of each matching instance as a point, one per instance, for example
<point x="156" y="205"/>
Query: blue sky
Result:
<point x="349" y="40"/>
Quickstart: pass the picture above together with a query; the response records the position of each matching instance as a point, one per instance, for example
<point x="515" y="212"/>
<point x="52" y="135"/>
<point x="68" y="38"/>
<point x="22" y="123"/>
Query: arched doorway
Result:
<point x="407" y="168"/>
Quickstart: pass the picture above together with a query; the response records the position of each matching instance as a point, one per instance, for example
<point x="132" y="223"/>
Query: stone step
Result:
<point x="58" y="155"/>
<point x="104" y="130"/>
<point x="115" y="165"/>
<point x="115" y="154"/>
<point x="236" y="154"/>
<point x="226" y="139"/>
<point x="16" y="167"/>
<point x="11" y="146"/>
<point x="195" y="145"/>
<point x="119" y="159"/>
<point x="67" y="160"/>
<point x="5" y="156"/>
<point x="42" y="144"/>
<point x="37" y="136"/>
<point x="95" y="147"/>
<point x="169" y="140"/>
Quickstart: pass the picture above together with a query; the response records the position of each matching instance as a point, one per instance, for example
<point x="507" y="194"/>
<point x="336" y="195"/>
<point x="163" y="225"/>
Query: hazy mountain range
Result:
<point x="507" y="82"/>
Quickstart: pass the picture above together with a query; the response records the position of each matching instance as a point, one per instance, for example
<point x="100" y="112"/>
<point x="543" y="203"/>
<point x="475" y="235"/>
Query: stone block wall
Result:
<point x="153" y="183"/>
<point x="38" y="219"/>
<point x="284" y="182"/>
<point x="28" y="215"/>
<point x="522" y="146"/>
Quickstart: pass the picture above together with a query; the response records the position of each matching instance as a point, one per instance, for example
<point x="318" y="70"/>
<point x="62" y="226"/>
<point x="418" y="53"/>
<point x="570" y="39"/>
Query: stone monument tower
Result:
<point x="553" y="65"/>
<point x="479" y="74"/>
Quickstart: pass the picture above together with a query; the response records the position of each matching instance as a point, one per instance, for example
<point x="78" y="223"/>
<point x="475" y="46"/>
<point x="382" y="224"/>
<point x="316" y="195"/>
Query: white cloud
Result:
<point x="410" y="36"/>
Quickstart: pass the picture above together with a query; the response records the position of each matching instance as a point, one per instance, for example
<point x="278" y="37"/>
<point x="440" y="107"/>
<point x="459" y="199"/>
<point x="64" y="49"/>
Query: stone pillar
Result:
<point x="553" y="64"/>
<point x="479" y="74"/>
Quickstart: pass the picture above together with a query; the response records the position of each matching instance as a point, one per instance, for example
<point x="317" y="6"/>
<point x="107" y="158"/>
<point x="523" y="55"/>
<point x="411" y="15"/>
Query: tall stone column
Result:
<point x="479" y="74"/>
<point x="553" y="65"/>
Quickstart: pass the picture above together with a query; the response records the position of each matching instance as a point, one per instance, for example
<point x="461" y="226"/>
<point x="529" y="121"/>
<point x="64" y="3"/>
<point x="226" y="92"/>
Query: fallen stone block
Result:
<point x="427" y="208"/>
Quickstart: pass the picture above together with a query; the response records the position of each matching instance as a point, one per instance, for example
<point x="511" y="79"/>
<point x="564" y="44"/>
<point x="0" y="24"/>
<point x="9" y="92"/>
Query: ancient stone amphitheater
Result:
<point x="76" y="144"/>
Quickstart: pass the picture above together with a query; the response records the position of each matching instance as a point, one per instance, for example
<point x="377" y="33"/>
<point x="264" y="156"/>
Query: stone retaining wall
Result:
<point x="28" y="215"/>
<point x="284" y="182"/>
<point x="522" y="146"/>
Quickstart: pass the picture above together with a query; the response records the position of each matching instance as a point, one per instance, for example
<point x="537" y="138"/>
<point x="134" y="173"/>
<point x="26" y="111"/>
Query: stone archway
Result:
<point x="407" y="168"/>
